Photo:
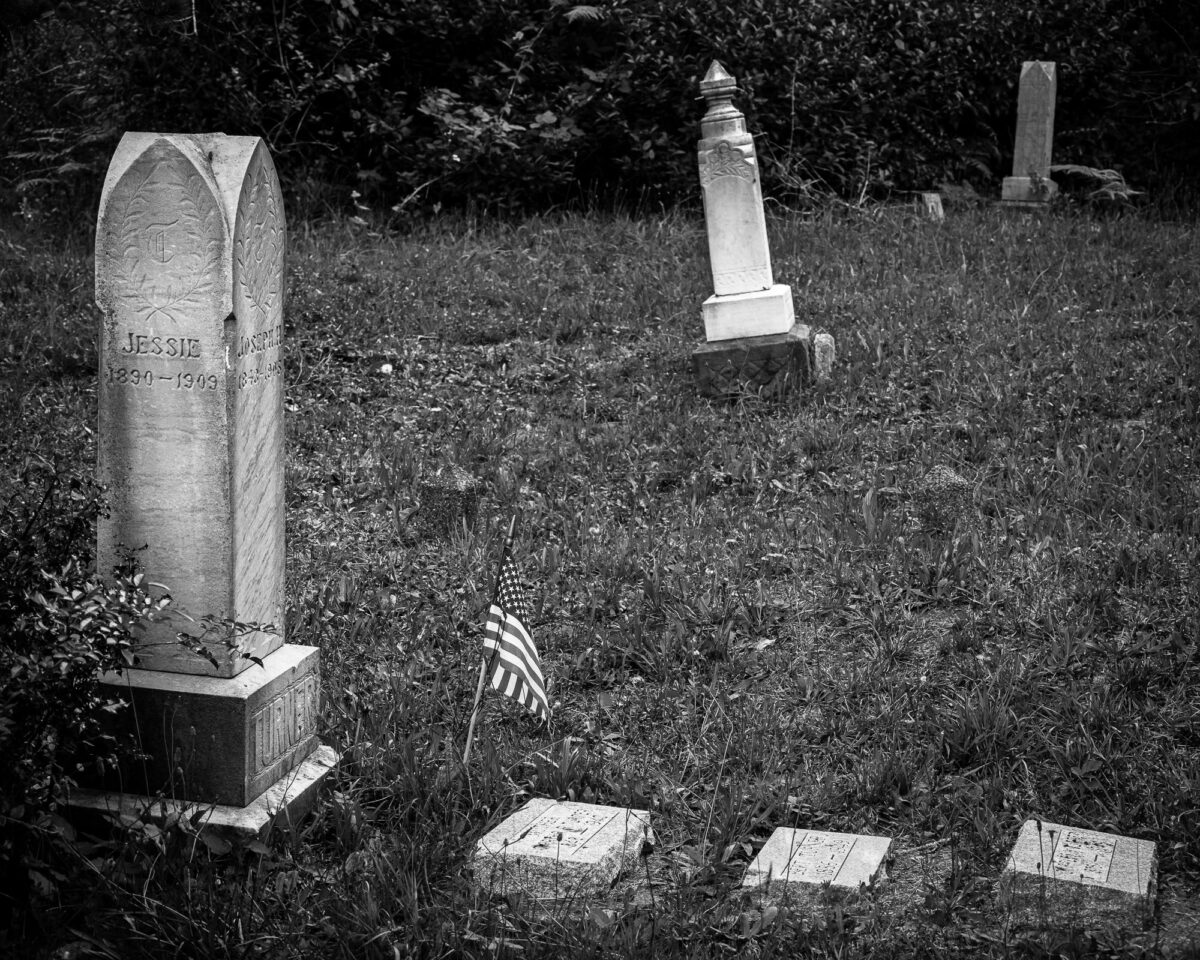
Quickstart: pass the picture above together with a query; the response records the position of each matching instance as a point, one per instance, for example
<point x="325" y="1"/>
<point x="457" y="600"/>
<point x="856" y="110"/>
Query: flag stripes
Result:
<point x="516" y="669"/>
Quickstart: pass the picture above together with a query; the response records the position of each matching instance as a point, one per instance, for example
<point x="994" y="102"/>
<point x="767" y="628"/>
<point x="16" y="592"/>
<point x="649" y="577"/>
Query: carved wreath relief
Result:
<point x="725" y="160"/>
<point x="259" y="246"/>
<point x="166" y="256"/>
<point x="259" y="256"/>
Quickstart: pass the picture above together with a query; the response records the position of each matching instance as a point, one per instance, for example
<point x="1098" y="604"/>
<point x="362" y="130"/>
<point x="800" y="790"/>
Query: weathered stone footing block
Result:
<point x="806" y="865"/>
<point x="773" y="363"/>
<point x="285" y="803"/>
<point x="555" y="850"/>
<point x="1066" y="876"/>
<point x="219" y="740"/>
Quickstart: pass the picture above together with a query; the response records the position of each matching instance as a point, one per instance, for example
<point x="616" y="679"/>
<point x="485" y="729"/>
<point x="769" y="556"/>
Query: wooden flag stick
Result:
<point x="483" y="663"/>
<point x="475" y="710"/>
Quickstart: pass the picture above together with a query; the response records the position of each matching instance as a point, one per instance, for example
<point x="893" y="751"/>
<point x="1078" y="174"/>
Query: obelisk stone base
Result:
<point x="220" y="740"/>
<point x="756" y="314"/>
<point x="806" y="866"/>
<point x="1023" y="194"/>
<point x="558" y="850"/>
<point x="772" y="364"/>
<point x="286" y="802"/>
<point x="1062" y="876"/>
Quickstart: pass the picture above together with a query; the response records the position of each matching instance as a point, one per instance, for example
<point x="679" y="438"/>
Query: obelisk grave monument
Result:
<point x="752" y="337"/>
<point x="190" y="250"/>
<point x="1030" y="183"/>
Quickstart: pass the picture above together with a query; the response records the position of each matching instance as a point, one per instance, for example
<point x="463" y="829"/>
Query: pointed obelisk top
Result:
<point x="716" y="72"/>
<point x="1047" y="68"/>
<point x="718" y="88"/>
<point x="717" y="82"/>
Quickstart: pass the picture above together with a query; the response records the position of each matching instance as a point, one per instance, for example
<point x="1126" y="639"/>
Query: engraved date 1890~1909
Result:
<point x="148" y="378"/>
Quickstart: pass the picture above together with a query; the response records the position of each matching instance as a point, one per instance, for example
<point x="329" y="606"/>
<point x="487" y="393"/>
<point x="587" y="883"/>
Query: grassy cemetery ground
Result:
<point x="752" y="614"/>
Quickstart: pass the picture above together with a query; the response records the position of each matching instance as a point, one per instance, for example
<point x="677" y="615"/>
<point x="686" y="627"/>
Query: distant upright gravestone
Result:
<point x="752" y="340"/>
<point x="189" y="278"/>
<point x="1030" y="182"/>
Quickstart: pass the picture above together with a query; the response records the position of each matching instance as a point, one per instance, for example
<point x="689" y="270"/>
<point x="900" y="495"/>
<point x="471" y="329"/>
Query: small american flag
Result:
<point x="516" y="669"/>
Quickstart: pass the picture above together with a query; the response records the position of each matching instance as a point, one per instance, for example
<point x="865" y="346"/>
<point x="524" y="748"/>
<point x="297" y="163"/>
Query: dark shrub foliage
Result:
<point x="59" y="627"/>
<point x="528" y="102"/>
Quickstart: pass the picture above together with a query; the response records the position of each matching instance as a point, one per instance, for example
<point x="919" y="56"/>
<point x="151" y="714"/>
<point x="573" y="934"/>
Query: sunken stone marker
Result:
<point x="189" y="279"/>
<point x="804" y="865"/>
<point x="930" y="206"/>
<point x="1073" y="877"/>
<point x="554" y="850"/>
<point x="753" y="340"/>
<point x="1030" y="183"/>
<point x="449" y="501"/>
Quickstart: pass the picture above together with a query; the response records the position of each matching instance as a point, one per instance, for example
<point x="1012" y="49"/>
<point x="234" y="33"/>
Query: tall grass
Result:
<point x="731" y="642"/>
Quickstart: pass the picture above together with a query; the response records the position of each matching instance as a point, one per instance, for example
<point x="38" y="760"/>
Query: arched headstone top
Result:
<point x="260" y="233"/>
<point x="163" y="238"/>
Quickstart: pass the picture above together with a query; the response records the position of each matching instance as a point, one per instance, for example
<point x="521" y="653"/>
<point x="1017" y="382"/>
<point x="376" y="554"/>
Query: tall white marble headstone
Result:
<point x="746" y="300"/>
<point x="1030" y="181"/>
<point x="752" y="340"/>
<point x="189" y="278"/>
<point x="190" y="283"/>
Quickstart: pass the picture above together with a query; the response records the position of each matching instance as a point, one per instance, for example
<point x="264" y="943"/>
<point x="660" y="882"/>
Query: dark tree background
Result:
<point x="523" y="103"/>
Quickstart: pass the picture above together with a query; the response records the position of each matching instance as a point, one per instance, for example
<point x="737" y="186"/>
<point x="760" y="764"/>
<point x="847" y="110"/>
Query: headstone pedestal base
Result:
<point x="773" y="363"/>
<point x="1022" y="191"/>
<point x="220" y="740"/>
<point x="755" y="314"/>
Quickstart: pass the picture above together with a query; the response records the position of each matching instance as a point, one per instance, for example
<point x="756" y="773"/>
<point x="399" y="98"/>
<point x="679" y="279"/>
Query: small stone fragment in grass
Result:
<point x="824" y="355"/>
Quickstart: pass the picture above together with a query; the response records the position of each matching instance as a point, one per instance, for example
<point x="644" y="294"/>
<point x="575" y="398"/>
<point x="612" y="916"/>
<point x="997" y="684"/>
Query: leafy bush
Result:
<point x="532" y="101"/>
<point x="59" y="628"/>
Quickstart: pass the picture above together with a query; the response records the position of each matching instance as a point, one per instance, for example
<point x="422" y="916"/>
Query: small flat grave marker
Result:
<point x="802" y="864"/>
<point x="558" y="849"/>
<point x="1071" y="876"/>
